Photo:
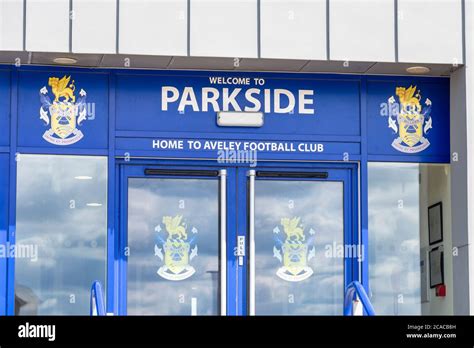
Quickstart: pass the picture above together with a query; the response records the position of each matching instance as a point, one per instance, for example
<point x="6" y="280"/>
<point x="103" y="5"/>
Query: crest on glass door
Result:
<point x="293" y="248"/>
<point x="176" y="248"/>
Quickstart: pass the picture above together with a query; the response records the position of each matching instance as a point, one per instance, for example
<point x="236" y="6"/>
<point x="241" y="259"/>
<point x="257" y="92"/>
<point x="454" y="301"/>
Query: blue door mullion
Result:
<point x="122" y="243"/>
<point x="348" y="231"/>
<point x="232" y="261"/>
<point x="241" y="206"/>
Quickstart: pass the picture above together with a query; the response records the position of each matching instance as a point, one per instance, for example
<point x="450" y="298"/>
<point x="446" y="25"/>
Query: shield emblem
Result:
<point x="295" y="251"/>
<point x="294" y="257"/>
<point x="177" y="249"/>
<point x="63" y="119"/>
<point x="412" y="122"/>
<point x="176" y="255"/>
<point x="411" y="130"/>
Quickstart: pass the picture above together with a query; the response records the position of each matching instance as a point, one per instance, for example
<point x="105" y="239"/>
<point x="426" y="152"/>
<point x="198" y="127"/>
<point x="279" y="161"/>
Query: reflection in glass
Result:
<point x="394" y="238"/>
<point x="299" y="227"/>
<point x="400" y="195"/>
<point x="61" y="226"/>
<point x="173" y="240"/>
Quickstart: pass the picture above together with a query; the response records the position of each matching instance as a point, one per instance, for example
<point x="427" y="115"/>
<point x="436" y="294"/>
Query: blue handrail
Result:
<point x="356" y="290"/>
<point x="97" y="299"/>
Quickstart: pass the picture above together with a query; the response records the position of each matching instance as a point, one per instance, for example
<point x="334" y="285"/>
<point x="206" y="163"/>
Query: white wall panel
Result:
<point x="11" y="25"/>
<point x="362" y="30"/>
<point x="224" y="28"/>
<point x="294" y="29"/>
<point x="94" y="26"/>
<point x="47" y="25"/>
<point x="153" y="27"/>
<point x="430" y="32"/>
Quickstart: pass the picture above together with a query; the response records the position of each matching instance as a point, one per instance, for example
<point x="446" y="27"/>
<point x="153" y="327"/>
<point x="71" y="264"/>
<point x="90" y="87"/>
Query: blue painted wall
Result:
<point x="335" y="102"/>
<point x="4" y="107"/>
<point x="380" y="136"/>
<point x="31" y="128"/>
<point x="4" y="179"/>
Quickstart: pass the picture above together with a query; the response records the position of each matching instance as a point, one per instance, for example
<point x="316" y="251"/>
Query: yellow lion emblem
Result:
<point x="292" y="231"/>
<point x="62" y="88"/>
<point x="407" y="99"/>
<point x="174" y="227"/>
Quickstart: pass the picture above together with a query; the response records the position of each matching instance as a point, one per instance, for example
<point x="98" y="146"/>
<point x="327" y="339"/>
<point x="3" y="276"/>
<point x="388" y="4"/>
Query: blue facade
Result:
<point x="130" y="116"/>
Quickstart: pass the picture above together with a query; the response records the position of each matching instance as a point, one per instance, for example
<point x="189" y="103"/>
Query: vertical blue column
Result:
<point x="241" y="206"/>
<point x="14" y="157"/>
<point x="5" y="111"/>
<point x="112" y="270"/>
<point x="232" y="266"/>
<point x="364" y="201"/>
<point x="4" y="179"/>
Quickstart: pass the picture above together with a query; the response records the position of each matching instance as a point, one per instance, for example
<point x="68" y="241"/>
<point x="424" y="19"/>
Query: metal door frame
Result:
<point x="225" y="177"/>
<point x="345" y="174"/>
<point x="236" y="222"/>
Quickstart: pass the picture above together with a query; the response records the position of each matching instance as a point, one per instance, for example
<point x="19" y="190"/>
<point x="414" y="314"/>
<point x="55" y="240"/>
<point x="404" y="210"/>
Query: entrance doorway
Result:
<point x="232" y="240"/>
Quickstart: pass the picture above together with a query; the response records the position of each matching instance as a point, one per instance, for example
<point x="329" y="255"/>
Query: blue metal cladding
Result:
<point x="94" y="128"/>
<point x="4" y="179"/>
<point x="4" y="107"/>
<point x="327" y="110"/>
<point x="431" y="93"/>
<point x="332" y="102"/>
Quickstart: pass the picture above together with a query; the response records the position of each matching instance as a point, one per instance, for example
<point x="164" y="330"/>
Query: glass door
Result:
<point x="236" y="240"/>
<point x="300" y="233"/>
<point x="174" y="241"/>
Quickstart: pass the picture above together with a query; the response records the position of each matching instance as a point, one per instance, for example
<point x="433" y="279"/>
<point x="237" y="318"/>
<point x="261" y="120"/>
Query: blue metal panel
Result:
<point x="62" y="151"/>
<point x="232" y="231"/>
<point x="207" y="148"/>
<point x="14" y="157"/>
<point x="141" y="115"/>
<point x="4" y="179"/>
<point x="351" y="262"/>
<point x="121" y="245"/>
<point x="432" y="94"/>
<point x="363" y="270"/>
<point x="4" y="107"/>
<point x="272" y="156"/>
<point x="140" y="106"/>
<point x="242" y="229"/>
<point x="410" y="159"/>
<point x="94" y="128"/>
<point x="111" y="205"/>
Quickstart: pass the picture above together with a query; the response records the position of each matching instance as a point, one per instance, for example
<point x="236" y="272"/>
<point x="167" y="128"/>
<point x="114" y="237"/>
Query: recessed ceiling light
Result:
<point x="94" y="204"/>
<point x="418" y="70"/>
<point x="64" y="60"/>
<point x="83" y="177"/>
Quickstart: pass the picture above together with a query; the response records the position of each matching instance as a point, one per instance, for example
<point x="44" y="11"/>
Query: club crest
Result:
<point x="175" y="248"/>
<point x="410" y="120"/>
<point x="64" y="113"/>
<point x="293" y="250"/>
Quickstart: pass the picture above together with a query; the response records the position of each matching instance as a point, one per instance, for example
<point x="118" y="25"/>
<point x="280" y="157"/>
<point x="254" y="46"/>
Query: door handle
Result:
<point x="251" y="212"/>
